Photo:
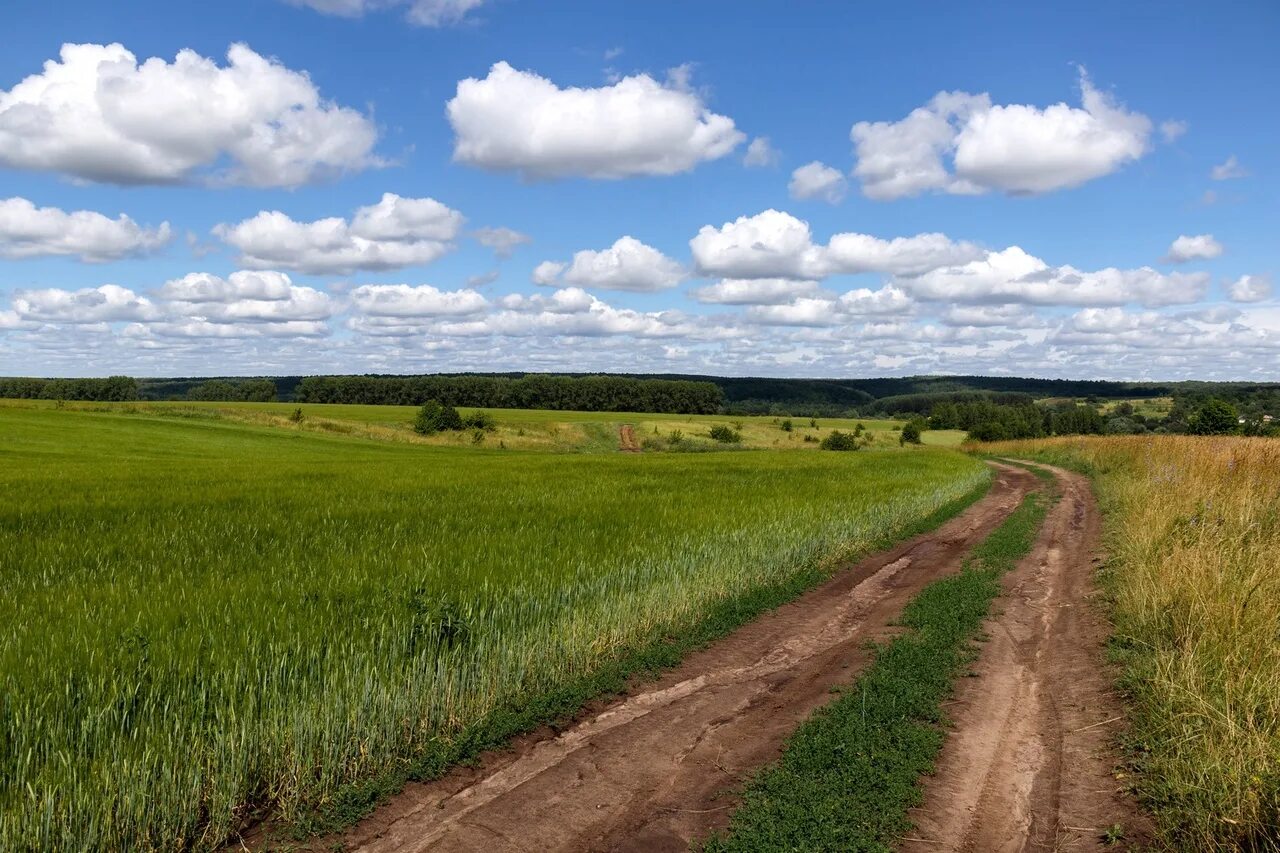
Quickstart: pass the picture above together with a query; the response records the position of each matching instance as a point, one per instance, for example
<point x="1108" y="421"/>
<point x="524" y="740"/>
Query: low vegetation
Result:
<point x="219" y="617"/>
<point x="849" y="774"/>
<point x="1194" y="584"/>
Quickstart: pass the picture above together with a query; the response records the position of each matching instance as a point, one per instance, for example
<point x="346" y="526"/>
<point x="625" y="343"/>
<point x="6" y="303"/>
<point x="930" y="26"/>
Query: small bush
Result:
<point x="837" y="440"/>
<point x="911" y="432"/>
<point x="725" y="434"/>
<point x="810" y="438"/>
<point x="787" y="426"/>
<point x="297" y="416"/>
<point x="435" y="417"/>
<point x="813" y="423"/>
<point x="480" y="420"/>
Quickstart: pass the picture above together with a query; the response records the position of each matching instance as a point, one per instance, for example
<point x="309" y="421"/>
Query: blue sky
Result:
<point x="1101" y="201"/>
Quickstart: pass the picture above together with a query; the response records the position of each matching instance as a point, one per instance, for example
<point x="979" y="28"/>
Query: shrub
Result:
<point x="837" y="440"/>
<point x="435" y="417"/>
<point x="480" y="419"/>
<point x="1215" y="417"/>
<point x="911" y="432"/>
<point x="297" y="416"/>
<point x="787" y="426"/>
<point x="725" y="434"/>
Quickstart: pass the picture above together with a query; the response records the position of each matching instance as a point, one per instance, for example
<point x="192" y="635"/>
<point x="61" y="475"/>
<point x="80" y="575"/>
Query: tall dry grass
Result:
<point x="1194" y="576"/>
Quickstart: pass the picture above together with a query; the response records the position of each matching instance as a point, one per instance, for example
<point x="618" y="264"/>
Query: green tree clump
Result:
<point x="1214" y="417"/>
<point x="436" y="417"/>
<point x="725" y="434"/>
<point x="837" y="440"/>
<point x="912" y="431"/>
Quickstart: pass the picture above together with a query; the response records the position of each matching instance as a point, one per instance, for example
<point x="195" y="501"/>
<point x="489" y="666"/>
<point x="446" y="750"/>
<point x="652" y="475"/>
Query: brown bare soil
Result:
<point x="627" y="439"/>
<point x="1030" y="765"/>
<point x="656" y="769"/>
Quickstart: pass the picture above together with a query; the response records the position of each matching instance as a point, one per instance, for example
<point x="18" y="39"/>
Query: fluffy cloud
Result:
<point x="516" y="120"/>
<point x="424" y="13"/>
<point x="1249" y="288"/>
<point x="106" y="304"/>
<point x="27" y="231"/>
<point x="402" y="300"/>
<point x="760" y="153"/>
<point x="1228" y="170"/>
<point x="830" y="310"/>
<point x="756" y="291"/>
<point x="1012" y="275"/>
<point x="396" y="232"/>
<point x="503" y="241"/>
<point x="1199" y="247"/>
<point x="243" y="297"/>
<point x="626" y="265"/>
<point x="817" y="180"/>
<point x="1012" y="148"/>
<point x="774" y="244"/>
<point x="99" y="115"/>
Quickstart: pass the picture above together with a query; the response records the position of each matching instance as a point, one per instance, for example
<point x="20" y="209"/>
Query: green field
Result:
<point x="207" y="614"/>
<point x="523" y="429"/>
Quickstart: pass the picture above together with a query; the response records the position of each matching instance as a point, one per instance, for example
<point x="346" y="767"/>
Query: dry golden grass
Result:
<point x="1194" y="578"/>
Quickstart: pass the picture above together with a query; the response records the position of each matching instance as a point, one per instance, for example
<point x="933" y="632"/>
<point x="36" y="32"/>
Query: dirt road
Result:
<point x="1028" y="766"/>
<point x="651" y="771"/>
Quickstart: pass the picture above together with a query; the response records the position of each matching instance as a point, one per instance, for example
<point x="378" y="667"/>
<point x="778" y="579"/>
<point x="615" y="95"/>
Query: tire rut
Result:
<point x="1029" y="765"/>
<point x="656" y="769"/>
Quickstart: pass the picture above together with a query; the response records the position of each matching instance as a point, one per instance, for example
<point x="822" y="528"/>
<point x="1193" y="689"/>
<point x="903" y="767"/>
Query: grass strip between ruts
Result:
<point x="356" y="801"/>
<point x="850" y="772"/>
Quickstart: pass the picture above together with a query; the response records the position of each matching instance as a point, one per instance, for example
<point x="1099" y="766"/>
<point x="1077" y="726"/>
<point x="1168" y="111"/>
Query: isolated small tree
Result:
<point x="911" y="432"/>
<point x="436" y="417"/>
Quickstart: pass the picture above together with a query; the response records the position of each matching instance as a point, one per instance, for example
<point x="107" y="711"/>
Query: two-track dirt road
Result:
<point x="655" y="770"/>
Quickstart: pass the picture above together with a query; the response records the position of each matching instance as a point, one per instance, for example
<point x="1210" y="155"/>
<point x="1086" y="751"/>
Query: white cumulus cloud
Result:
<point x="1199" y="247"/>
<point x="396" y="232"/>
<point x="1014" y="148"/>
<point x="403" y="300"/>
<point x="755" y="291"/>
<point x="774" y="244"/>
<point x="27" y="231"/>
<point x="1249" y="288"/>
<point x="516" y="120"/>
<point x="1012" y="275"/>
<point x="106" y="304"/>
<point x="760" y="152"/>
<point x="98" y="114"/>
<point x="817" y="180"/>
<point x="626" y="265"/>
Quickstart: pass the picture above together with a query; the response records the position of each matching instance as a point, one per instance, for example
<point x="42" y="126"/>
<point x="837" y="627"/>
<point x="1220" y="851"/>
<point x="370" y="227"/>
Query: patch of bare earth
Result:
<point x="627" y="439"/>
<point x="1030" y="764"/>
<point x="656" y="769"/>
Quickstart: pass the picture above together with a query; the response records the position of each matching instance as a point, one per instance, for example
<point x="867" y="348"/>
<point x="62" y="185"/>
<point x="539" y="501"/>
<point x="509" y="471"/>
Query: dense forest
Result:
<point x="111" y="389"/>
<point x="586" y="393"/>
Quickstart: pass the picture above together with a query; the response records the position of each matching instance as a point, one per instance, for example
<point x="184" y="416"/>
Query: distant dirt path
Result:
<point x="1029" y="765"/>
<point x="650" y="771"/>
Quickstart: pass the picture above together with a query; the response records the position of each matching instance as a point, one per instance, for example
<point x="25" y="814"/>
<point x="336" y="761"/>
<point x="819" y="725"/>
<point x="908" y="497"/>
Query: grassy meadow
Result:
<point x="1194" y="580"/>
<point x="525" y="429"/>
<point x="207" y="614"/>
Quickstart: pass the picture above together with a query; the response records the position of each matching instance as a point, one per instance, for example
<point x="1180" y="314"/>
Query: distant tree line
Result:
<point x="229" y="391"/>
<point x="111" y="389"/>
<point x="587" y="393"/>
